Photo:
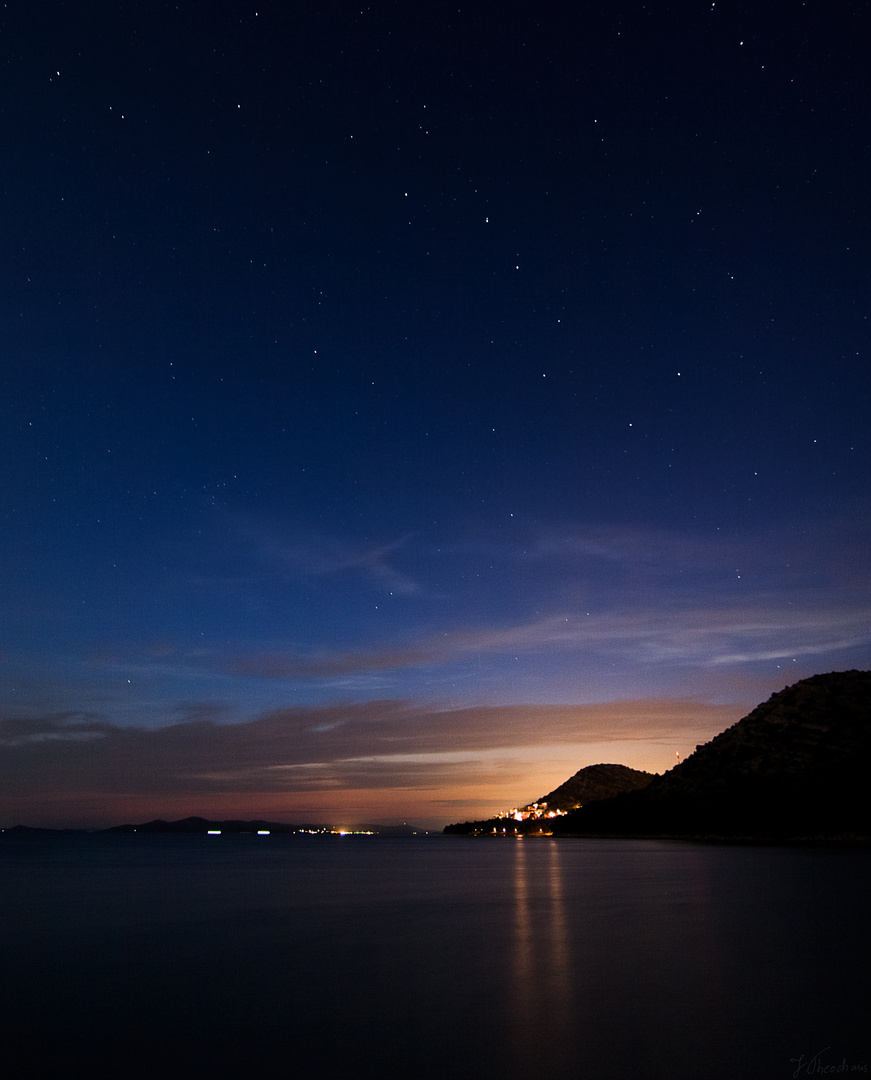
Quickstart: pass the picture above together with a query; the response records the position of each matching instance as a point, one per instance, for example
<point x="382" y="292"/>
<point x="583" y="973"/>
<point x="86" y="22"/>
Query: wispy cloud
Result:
<point x="22" y="731"/>
<point x="698" y="637"/>
<point x="728" y="641"/>
<point x="383" y="744"/>
<point x="317" y="556"/>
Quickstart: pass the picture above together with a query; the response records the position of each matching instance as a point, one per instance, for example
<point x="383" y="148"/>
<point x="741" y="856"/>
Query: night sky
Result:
<point x="405" y="405"/>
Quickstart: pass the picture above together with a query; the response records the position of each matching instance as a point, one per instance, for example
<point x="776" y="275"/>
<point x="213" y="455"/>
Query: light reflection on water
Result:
<point x="542" y="1013"/>
<point x="439" y="958"/>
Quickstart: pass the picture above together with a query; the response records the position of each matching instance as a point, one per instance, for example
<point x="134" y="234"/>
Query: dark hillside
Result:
<point x="594" y="783"/>
<point x="797" y="766"/>
<point x="588" y="785"/>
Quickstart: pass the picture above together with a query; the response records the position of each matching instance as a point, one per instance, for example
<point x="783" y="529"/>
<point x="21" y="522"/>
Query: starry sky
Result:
<point x="405" y="405"/>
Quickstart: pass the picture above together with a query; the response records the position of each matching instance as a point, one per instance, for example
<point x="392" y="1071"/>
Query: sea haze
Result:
<point x="363" y="957"/>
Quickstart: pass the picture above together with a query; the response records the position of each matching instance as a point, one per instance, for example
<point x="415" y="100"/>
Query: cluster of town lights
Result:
<point x="534" y="810"/>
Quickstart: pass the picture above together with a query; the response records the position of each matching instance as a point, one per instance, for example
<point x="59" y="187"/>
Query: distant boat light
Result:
<point x="263" y="832"/>
<point x="214" y="832"/>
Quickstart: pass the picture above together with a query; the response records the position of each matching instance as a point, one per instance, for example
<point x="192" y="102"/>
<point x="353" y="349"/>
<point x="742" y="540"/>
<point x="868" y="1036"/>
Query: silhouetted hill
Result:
<point x="200" y="825"/>
<point x="35" y="830"/>
<point x="797" y="766"/>
<point x="203" y="825"/>
<point x="588" y="785"/>
<point x="594" y="783"/>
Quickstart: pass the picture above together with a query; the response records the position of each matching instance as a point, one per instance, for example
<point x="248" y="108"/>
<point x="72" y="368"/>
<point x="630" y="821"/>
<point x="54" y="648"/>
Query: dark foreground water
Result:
<point x="358" y="957"/>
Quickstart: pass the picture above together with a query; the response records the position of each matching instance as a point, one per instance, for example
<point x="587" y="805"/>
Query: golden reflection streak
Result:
<point x="541" y="994"/>
<point x="524" y="996"/>
<point x="523" y="945"/>
<point x="560" y="964"/>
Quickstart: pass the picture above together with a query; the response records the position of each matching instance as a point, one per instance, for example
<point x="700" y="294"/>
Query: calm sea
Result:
<point x="439" y="957"/>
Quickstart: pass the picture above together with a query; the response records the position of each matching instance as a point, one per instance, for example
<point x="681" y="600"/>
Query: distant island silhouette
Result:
<point x="205" y="826"/>
<point x="794" y="769"/>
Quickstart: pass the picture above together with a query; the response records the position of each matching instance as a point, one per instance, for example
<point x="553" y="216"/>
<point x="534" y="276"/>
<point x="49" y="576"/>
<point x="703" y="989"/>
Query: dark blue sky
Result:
<point x="510" y="358"/>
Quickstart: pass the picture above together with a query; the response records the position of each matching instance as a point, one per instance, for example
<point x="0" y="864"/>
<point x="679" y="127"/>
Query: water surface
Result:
<point x="363" y="957"/>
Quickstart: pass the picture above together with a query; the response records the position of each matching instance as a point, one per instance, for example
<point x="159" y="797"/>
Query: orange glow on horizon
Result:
<point x="431" y="788"/>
